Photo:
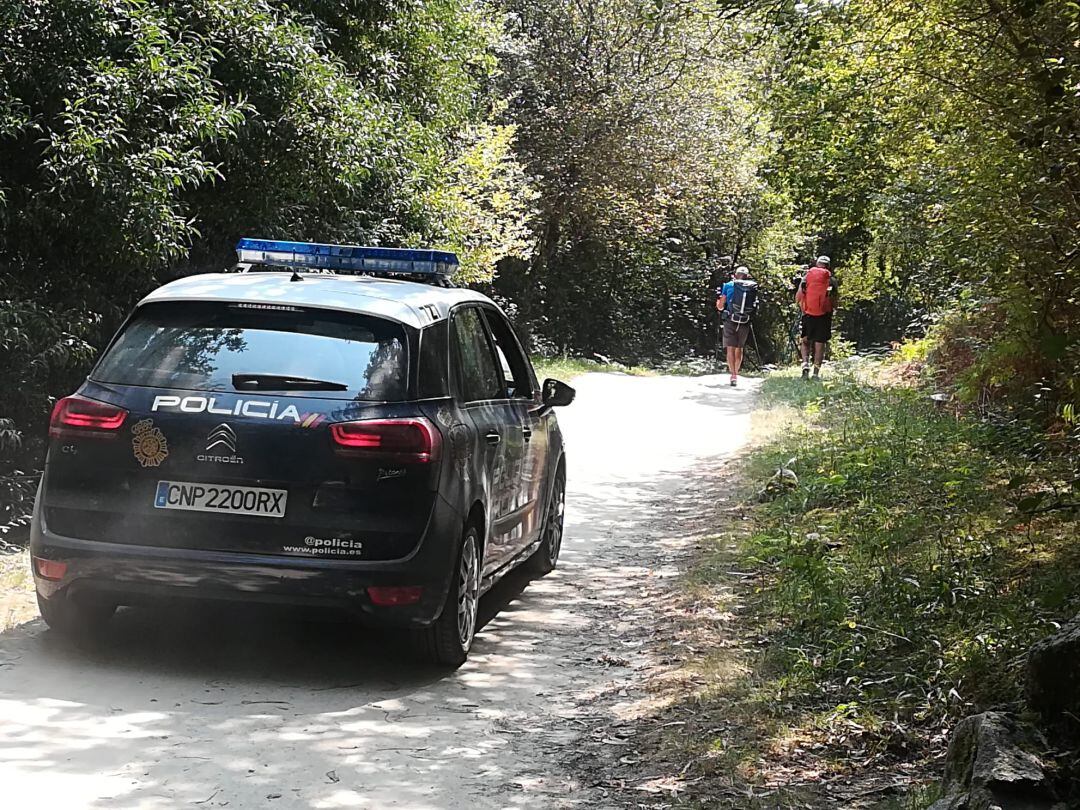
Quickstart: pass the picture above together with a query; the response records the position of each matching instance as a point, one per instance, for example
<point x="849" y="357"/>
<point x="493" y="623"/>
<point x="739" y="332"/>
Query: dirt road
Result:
<point x="252" y="709"/>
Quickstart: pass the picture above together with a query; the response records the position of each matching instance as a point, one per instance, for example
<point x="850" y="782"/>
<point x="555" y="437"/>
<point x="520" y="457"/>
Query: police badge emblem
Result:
<point x="149" y="443"/>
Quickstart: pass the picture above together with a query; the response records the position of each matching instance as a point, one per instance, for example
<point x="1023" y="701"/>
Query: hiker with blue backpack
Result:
<point x="736" y="302"/>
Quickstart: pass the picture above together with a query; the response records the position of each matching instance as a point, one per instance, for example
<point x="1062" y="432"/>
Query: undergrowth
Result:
<point x="566" y="368"/>
<point x="916" y="559"/>
<point x="883" y="561"/>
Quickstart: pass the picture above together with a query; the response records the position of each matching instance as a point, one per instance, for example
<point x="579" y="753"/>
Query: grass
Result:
<point x="893" y="588"/>
<point x="567" y="368"/>
<point x="906" y="577"/>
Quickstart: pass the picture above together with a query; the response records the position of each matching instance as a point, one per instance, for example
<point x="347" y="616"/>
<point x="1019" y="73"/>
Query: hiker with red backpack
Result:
<point x="817" y="297"/>
<point x="736" y="302"/>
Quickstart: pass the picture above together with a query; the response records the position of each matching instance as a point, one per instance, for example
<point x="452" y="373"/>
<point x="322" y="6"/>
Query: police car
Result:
<point x="326" y="425"/>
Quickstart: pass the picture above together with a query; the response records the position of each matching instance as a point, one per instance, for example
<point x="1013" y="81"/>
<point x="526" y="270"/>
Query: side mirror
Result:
<point x="557" y="394"/>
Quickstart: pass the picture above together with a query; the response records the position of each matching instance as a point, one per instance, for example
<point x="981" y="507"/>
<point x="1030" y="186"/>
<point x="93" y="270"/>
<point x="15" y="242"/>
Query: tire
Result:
<point x="447" y="642"/>
<point x="75" y="619"/>
<point x="546" y="557"/>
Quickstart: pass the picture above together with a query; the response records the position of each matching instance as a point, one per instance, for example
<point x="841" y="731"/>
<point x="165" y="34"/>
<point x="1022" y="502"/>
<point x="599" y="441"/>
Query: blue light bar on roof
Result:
<point x="346" y="259"/>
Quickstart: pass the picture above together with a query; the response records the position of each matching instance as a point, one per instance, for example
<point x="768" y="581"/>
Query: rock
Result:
<point x="1053" y="673"/>
<point x="783" y="479"/>
<point x="990" y="766"/>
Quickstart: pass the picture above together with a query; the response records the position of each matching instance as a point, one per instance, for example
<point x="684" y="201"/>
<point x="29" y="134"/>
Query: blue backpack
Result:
<point x="743" y="300"/>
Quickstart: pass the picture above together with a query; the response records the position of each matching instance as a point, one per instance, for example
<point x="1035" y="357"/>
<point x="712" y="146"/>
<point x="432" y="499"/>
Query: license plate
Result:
<point x="220" y="498"/>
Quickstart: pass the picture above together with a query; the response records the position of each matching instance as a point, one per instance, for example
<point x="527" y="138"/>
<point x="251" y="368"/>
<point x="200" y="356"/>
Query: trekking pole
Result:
<point x="759" y="365"/>
<point x="716" y="341"/>
<point x="793" y="338"/>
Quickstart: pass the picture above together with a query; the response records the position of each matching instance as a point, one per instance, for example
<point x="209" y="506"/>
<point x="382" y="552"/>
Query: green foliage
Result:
<point x="178" y="127"/>
<point x="914" y="351"/>
<point x="140" y="139"/>
<point x="604" y="157"/>
<point x="917" y="559"/>
<point x="935" y="144"/>
<point x="486" y="204"/>
<point x="49" y="344"/>
<point x="635" y="119"/>
<point x="52" y="348"/>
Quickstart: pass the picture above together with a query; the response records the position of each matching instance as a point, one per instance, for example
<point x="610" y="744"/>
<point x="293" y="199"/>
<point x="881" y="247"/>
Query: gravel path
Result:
<point x="250" y="709"/>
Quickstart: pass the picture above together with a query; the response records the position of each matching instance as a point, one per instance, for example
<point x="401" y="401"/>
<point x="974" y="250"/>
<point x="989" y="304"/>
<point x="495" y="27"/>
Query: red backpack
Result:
<point x="813" y="295"/>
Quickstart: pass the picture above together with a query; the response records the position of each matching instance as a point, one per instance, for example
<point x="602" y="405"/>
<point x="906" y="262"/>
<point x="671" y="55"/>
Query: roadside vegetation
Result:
<point x="895" y="559"/>
<point x="567" y="368"/>
<point x="918" y="556"/>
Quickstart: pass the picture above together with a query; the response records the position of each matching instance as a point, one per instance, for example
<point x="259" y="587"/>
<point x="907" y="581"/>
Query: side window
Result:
<point x="515" y="367"/>
<point x="434" y="362"/>
<point x="477" y="373"/>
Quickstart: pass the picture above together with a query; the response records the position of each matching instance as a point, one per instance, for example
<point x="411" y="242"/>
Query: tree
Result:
<point x="139" y="140"/>
<point x="634" y="119"/>
<point x="937" y="143"/>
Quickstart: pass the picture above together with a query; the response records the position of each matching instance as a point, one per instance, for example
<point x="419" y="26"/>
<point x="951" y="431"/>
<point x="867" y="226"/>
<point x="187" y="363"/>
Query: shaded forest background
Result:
<point x="591" y="162"/>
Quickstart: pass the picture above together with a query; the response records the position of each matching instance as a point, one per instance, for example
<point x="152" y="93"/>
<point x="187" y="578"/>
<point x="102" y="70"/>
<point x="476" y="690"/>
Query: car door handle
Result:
<point x="527" y="433"/>
<point x="493" y="438"/>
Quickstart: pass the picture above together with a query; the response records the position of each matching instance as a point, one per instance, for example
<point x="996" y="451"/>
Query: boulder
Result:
<point x="991" y="766"/>
<point x="1053" y="673"/>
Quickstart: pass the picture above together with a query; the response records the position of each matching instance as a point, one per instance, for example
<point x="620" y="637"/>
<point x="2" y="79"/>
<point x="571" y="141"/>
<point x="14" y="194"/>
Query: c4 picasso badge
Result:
<point x="151" y="447"/>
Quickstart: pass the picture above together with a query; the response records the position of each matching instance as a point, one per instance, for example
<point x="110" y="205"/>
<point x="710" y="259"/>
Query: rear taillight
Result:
<point x="79" y="416"/>
<point x="402" y="440"/>
<point x="395" y="596"/>
<point x="50" y="569"/>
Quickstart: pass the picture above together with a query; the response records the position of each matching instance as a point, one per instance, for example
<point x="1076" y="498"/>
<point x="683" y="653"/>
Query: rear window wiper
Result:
<point x="283" y="382"/>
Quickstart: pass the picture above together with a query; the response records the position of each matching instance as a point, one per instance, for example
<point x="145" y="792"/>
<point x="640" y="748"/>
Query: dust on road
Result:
<point x="249" y="709"/>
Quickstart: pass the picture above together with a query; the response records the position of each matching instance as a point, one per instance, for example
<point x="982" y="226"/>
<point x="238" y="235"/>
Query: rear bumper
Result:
<point x="132" y="574"/>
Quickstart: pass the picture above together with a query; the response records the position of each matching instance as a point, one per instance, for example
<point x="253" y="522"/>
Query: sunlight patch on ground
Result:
<point x="16" y="590"/>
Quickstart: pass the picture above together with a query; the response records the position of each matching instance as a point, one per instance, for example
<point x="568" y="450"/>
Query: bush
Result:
<point x="1024" y="370"/>
<point x="138" y="140"/>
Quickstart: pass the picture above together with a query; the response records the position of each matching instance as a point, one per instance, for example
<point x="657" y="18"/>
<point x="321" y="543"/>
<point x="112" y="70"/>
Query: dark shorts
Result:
<point x="817" y="327"/>
<point x="735" y="334"/>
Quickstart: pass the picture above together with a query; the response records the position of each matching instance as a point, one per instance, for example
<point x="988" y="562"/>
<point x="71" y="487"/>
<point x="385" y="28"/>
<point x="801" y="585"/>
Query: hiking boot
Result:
<point x="806" y="372"/>
<point x="734" y="380"/>
<point x="817" y="372"/>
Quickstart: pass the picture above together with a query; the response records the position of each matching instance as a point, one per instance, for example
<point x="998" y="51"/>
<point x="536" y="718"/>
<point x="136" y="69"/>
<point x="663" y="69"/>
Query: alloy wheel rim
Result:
<point x="555" y="524"/>
<point x="468" y="592"/>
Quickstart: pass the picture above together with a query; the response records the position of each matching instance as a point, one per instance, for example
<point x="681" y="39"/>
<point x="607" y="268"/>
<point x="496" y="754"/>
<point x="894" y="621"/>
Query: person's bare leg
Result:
<point x="735" y="369"/>
<point x="819" y="356"/>
<point x="804" y="349"/>
<point x="731" y="360"/>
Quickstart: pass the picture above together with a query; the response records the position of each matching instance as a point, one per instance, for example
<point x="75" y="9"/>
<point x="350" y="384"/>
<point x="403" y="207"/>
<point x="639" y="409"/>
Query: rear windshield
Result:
<point x="200" y="346"/>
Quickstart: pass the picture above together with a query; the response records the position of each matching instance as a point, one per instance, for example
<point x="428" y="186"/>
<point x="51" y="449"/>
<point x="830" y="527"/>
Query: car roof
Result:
<point x="408" y="302"/>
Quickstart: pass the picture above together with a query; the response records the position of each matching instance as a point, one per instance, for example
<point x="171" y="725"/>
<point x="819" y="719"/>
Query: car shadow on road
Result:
<point x="240" y="705"/>
<point x="252" y="643"/>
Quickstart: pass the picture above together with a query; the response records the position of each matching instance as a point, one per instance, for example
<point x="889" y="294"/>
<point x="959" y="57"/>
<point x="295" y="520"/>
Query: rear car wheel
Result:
<point x="448" y="640"/>
<point x="75" y="618"/>
<point x="546" y="557"/>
